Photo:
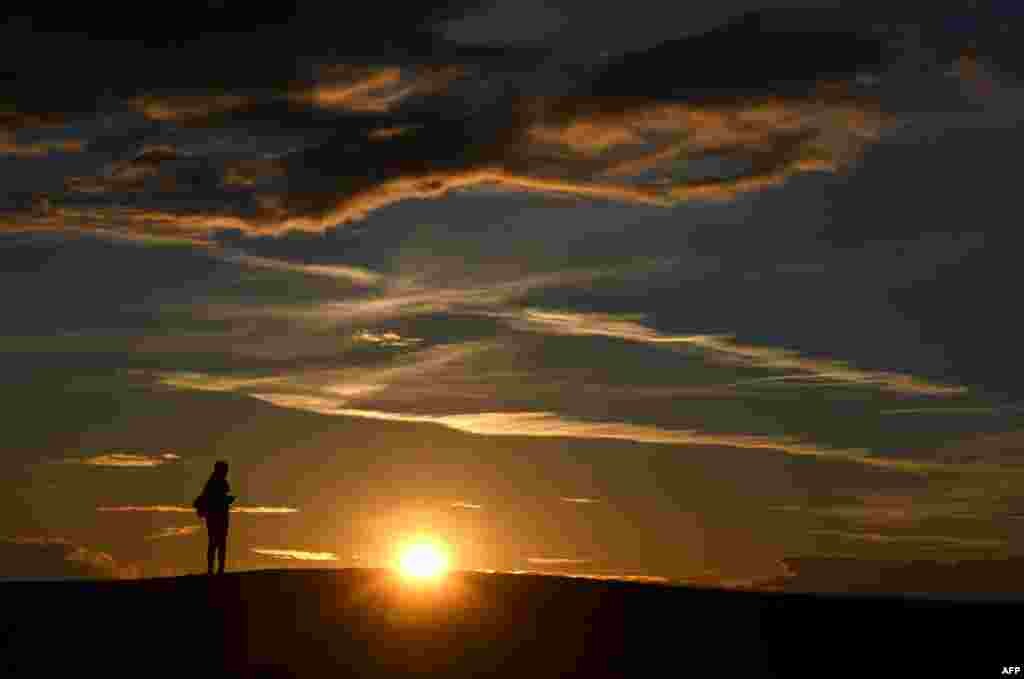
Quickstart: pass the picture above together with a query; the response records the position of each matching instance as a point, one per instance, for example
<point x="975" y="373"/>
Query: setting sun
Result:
<point x="423" y="559"/>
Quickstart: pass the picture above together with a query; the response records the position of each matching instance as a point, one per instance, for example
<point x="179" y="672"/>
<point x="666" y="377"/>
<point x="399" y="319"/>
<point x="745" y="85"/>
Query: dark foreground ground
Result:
<point x="365" y="623"/>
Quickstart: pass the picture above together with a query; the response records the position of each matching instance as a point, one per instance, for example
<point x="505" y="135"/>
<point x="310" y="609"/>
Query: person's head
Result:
<point x="220" y="469"/>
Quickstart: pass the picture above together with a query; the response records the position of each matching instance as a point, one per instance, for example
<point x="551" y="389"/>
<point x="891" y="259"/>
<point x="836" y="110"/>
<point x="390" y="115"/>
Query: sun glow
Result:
<point x="423" y="559"/>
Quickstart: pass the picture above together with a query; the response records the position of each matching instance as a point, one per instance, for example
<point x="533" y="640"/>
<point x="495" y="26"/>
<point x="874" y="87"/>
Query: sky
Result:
<point x="715" y="295"/>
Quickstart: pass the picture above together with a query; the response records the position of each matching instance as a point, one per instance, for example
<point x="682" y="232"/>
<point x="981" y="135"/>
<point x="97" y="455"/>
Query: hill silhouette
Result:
<point x="368" y="623"/>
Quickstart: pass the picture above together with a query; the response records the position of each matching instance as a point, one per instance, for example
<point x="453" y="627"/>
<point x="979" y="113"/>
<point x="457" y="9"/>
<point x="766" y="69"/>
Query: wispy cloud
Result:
<point x="355" y="275"/>
<point x="465" y="505"/>
<point x="402" y="296"/>
<point x="547" y="424"/>
<point x="52" y="556"/>
<point x="124" y="460"/>
<point x="39" y="540"/>
<point x="10" y="146"/>
<point x="892" y="510"/>
<point x="722" y="348"/>
<point x="176" y="509"/>
<point x="553" y="561"/>
<point x="884" y="538"/>
<point x="174" y="531"/>
<point x="625" y="577"/>
<point x="318" y="390"/>
<point x="296" y="554"/>
<point x="335" y="393"/>
<point x="370" y="89"/>
<point x="580" y="500"/>
<point x="385" y="339"/>
<point x="180" y="108"/>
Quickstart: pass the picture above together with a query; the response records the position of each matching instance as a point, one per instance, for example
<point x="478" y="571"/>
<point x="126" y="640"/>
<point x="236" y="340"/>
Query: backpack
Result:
<point x="199" y="504"/>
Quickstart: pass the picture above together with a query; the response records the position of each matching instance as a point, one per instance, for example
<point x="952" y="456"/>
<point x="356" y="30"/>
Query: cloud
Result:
<point x="721" y="348"/>
<point x="411" y="296"/>
<point x="124" y="460"/>
<point x="174" y="531"/>
<point x="624" y="577"/>
<point x="176" y="509"/>
<point x="340" y="393"/>
<point x="884" y="538"/>
<point x="182" y="108"/>
<point x="352" y="274"/>
<point x="56" y="557"/>
<point x="9" y="145"/>
<point x="990" y="410"/>
<point x="465" y="505"/>
<point x="369" y="89"/>
<point x="386" y="339"/>
<point x="580" y="500"/>
<point x="41" y="541"/>
<point x="296" y="555"/>
<point x="367" y="132"/>
<point x="547" y="424"/>
<point x="899" y="510"/>
<point x="323" y="389"/>
<point x="551" y="561"/>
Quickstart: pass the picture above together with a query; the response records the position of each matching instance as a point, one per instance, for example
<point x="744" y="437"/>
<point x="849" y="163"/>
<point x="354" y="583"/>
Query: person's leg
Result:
<point x="221" y="557"/>
<point x="211" y="545"/>
<point x="222" y="545"/>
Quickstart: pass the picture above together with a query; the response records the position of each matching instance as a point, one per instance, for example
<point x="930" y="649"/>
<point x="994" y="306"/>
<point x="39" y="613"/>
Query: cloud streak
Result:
<point x="883" y="538"/>
<point x="174" y="532"/>
<point x="722" y="348"/>
<point x="553" y="425"/>
<point x="130" y="460"/>
<point x="177" y="509"/>
<point x="296" y="554"/>
<point x="624" y="577"/>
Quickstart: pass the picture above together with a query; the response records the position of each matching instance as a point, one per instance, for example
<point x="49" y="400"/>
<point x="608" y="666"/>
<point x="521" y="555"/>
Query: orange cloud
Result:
<point x="181" y="108"/>
<point x="576" y="147"/>
<point x="125" y="460"/>
<point x="174" y="531"/>
<point x="372" y="89"/>
<point x="385" y="339"/>
<point x="10" y="146"/>
<point x="653" y="579"/>
<point x="176" y="509"/>
<point x="389" y="132"/>
<point x="296" y="554"/>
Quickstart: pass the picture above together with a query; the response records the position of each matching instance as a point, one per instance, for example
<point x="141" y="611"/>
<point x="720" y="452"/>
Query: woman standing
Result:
<point x="213" y="505"/>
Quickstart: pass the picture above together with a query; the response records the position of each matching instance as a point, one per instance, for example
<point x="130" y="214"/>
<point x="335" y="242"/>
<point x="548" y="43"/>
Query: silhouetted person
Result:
<point x="213" y="505"/>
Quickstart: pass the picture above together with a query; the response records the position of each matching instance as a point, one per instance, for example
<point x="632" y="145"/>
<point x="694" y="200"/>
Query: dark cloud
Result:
<point x="400" y="126"/>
